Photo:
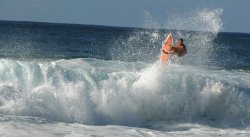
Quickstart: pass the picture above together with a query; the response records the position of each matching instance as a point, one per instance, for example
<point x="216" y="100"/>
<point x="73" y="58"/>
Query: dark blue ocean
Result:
<point x="29" y="41"/>
<point x="69" y="78"/>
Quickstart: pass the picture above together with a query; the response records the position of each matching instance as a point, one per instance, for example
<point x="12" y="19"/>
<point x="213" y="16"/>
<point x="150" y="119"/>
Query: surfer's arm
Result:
<point x="182" y="53"/>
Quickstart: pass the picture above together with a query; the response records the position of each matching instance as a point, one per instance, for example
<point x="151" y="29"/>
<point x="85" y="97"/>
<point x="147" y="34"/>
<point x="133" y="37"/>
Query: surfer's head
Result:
<point x="180" y="40"/>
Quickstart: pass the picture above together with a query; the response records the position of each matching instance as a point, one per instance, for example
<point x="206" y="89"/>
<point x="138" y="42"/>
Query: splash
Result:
<point x="204" y="20"/>
<point x="141" y="44"/>
<point x="84" y="91"/>
<point x="199" y="29"/>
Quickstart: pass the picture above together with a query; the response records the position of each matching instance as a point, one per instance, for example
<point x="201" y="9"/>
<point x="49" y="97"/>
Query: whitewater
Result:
<point x="83" y="91"/>
<point x="123" y="89"/>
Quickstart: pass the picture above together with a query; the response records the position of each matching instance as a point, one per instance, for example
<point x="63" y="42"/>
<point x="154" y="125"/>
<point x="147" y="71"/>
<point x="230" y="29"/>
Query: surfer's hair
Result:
<point x="180" y="39"/>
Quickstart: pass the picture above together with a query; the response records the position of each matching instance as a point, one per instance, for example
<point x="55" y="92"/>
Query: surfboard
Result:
<point x="165" y="56"/>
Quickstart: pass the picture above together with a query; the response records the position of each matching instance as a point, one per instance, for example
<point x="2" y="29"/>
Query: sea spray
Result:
<point x="206" y="24"/>
<point x="199" y="29"/>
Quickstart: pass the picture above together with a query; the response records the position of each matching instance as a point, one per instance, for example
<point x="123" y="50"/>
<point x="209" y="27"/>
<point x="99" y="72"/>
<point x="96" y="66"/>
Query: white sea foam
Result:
<point x="78" y="91"/>
<point x="30" y="127"/>
<point x="184" y="100"/>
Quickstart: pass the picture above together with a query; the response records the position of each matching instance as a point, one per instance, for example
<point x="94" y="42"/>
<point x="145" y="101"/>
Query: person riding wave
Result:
<point x="179" y="49"/>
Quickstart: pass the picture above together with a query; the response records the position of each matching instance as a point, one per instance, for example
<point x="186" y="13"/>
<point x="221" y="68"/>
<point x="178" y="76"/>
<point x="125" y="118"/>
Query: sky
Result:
<point x="125" y="13"/>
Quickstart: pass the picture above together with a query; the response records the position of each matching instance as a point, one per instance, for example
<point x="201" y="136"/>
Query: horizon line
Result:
<point x="111" y="26"/>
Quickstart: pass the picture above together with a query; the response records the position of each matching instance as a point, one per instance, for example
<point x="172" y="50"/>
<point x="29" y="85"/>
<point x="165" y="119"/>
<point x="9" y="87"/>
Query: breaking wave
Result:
<point x="95" y="91"/>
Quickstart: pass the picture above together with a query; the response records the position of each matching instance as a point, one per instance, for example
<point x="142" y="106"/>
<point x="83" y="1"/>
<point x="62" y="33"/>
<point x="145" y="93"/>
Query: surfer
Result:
<point x="168" y="48"/>
<point x="180" y="48"/>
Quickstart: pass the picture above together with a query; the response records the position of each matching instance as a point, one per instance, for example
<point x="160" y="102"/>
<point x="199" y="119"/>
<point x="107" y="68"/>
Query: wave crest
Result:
<point x="82" y="91"/>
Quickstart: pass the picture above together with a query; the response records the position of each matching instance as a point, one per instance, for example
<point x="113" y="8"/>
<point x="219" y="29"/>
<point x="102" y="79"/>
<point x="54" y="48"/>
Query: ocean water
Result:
<point x="85" y="80"/>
